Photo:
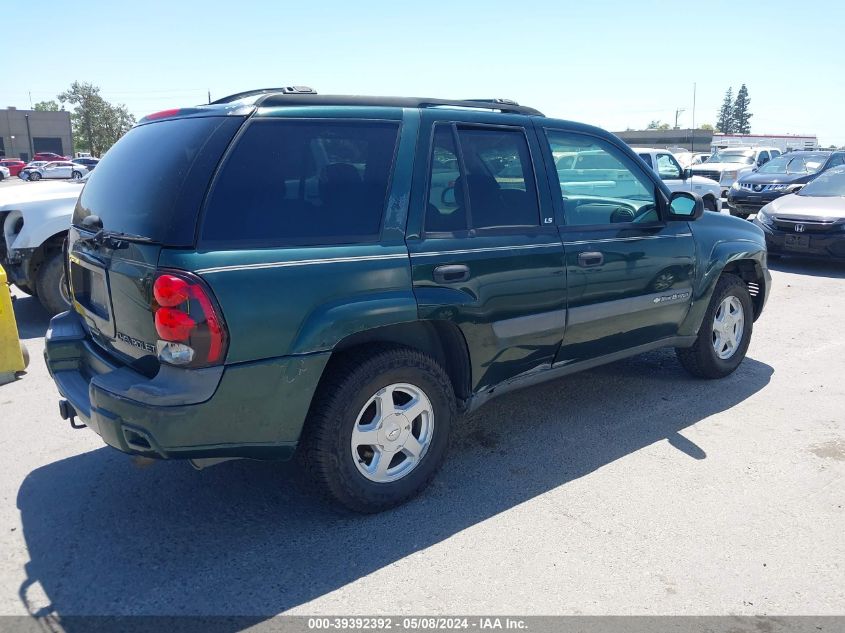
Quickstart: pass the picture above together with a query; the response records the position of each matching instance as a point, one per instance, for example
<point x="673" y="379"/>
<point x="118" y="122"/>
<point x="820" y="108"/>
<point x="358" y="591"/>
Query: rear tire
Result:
<point x="50" y="285"/>
<point x="347" y="407"/>
<point x="709" y="204"/>
<point x="76" y="175"/>
<point x="726" y="327"/>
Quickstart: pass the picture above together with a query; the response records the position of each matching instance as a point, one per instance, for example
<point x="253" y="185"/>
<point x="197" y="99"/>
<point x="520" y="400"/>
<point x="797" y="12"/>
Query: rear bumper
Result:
<point x="254" y="409"/>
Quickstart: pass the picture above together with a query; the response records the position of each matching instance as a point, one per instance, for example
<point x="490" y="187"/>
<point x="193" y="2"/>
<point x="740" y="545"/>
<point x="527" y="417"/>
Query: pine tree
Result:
<point x="724" y="121"/>
<point x="740" y="115"/>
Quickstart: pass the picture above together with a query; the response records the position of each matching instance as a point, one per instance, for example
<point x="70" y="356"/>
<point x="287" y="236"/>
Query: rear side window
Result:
<point x="152" y="182"/>
<point x="303" y="182"/>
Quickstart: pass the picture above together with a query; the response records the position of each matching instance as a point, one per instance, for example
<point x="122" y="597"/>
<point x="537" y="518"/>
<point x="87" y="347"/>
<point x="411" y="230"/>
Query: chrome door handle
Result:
<point x="451" y="274"/>
<point x="591" y="258"/>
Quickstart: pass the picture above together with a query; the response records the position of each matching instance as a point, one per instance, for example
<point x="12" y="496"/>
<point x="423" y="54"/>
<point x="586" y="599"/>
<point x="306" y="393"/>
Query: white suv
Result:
<point x="679" y="179"/>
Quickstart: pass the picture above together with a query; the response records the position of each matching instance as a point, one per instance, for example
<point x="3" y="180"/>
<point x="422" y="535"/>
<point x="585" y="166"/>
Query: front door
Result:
<point x="629" y="271"/>
<point x="485" y="253"/>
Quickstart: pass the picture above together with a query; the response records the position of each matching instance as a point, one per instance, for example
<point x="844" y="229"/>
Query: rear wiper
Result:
<point x="115" y="239"/>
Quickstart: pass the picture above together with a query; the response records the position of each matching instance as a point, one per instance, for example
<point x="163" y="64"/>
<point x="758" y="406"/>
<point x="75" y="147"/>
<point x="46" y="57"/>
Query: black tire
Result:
<point x="49" y="283"/>
<point x="349" y="384"/>
<point x="76" y="175"/>
<point x="34" y="176"/>
<point x="709" y="204"/>
<point x="701" y="359"/>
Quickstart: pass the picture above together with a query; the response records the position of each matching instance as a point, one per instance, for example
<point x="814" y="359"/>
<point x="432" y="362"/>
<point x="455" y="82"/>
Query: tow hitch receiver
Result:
<point x="67" y="412"/>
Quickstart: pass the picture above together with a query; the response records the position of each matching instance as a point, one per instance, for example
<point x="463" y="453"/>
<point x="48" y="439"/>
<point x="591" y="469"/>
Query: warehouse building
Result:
<point x="697" y="140"/>
<point x="24" y="133"/>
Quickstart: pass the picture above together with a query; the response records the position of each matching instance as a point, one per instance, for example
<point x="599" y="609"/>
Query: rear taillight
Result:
<point x="190" y="329"/>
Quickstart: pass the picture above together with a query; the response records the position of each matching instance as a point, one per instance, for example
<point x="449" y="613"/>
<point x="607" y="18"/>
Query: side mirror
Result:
<point x="686" y="174"/>
<point x="686" y="206"/>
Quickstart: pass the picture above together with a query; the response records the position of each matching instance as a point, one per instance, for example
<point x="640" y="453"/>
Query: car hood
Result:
<point x="807" y="207"/>
<point x="36" y="192"/>
<point x="720" y="167"/>
<point x="774" y="179"/>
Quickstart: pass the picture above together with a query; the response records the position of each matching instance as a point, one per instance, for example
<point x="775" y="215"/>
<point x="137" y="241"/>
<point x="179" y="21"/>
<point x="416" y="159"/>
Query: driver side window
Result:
<point x="598" y="185"/>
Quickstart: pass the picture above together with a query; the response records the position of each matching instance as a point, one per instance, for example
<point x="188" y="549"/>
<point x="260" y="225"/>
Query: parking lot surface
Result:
<point x="628" y="489"/>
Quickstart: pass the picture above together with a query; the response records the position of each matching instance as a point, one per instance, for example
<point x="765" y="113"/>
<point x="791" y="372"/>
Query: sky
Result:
<point x="613" y="63"/>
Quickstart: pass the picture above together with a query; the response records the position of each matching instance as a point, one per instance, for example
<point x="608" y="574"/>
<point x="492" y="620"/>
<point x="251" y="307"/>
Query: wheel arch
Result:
<point x="442" y="340"/>
<point x="47" y="248"/>
<point x="751" y="272"/>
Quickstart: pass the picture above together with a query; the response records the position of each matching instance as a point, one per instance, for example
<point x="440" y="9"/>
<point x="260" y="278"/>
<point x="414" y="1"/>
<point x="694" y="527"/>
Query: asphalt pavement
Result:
<point x="628" y="489"/>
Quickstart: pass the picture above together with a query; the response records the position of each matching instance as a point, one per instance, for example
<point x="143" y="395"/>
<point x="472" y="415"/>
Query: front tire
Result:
<point x="76" y="175"/>
<point x="34" y="176"/>
<point x="50" y="285"/>
<point x="378" y="429"/>
<point x="724" y="334"/>
<point x="709" y="204"/>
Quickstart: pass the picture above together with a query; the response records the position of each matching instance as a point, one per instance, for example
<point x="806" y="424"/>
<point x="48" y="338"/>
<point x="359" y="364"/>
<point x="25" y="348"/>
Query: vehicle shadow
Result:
<point x="31" y="316"/>
<point x="109" y="535"/>
<point x="805" y="266"/>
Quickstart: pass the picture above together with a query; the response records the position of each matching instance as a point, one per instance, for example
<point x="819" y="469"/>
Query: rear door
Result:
<point x="629" y="272"/>
<point x="484" y="250"/>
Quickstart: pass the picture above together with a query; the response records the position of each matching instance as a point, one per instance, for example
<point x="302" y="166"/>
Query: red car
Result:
<point x="49" y="156"/>
<point x="13" y="164"/>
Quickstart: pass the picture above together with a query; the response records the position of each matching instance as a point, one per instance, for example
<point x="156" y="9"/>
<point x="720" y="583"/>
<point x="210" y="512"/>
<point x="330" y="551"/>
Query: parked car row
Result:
<point x="56" y="168"/>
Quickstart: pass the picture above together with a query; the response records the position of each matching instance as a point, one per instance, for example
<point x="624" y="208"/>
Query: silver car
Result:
<point x="809" y="223"/>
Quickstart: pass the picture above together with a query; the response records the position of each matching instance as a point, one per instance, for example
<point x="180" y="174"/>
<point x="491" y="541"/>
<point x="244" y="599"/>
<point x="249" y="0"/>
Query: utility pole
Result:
<point x="692" y="140"/>
<point x="677" y="112"/>
<point x="30" y="99"/>
<point x="209" y="96"/>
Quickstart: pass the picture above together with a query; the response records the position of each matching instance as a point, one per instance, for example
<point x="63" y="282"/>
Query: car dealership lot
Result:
<point x="628" y="489"/>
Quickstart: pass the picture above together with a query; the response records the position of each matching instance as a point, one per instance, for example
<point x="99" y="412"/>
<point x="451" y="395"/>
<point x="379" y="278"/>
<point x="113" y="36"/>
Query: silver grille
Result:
<point x="712" y="175"/>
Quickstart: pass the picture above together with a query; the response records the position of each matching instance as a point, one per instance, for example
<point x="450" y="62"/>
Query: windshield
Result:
<point x="827" y="185"/>
<point x="158" y="197"/>
<point x="742" y="158"/>
<point x="804" y="164"/>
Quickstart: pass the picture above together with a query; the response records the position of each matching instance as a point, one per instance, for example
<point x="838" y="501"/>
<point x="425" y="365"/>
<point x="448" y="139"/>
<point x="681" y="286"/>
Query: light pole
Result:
<point x="677" y="112"/>
<point x="11" y="145"/>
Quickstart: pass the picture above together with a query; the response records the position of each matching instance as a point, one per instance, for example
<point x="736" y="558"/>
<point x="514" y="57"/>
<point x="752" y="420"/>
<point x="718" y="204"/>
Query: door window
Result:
<point x="764" y="158"/>
<point x="668" y="167"/>
<point x="602" y="185"/>
<point x="647" y="159"/>
<point x="488" y="183"/>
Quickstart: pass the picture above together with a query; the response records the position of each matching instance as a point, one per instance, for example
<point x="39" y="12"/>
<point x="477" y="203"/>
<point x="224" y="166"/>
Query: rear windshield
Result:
<point x="152" y="182"/>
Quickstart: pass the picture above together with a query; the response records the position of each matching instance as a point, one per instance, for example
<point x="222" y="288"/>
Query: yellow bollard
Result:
<point x="11" y="356"/>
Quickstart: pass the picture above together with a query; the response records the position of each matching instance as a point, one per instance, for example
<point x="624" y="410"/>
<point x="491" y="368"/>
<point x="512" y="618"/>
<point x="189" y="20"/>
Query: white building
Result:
<point x="784" y="142"/>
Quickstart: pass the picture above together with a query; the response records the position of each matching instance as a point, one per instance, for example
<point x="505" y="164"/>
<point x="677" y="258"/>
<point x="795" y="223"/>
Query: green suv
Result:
<point x="340" y="277"/>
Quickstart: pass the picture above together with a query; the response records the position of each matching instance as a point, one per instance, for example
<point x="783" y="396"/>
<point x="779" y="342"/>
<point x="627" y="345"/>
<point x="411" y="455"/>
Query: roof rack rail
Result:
<point x="287" y="90"/>
<point x="508" y="102"/>
<point x="279" y="98"/>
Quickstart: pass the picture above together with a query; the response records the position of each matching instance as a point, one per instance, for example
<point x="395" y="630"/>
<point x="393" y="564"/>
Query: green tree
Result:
<point x="46" y="106"/>
<point x="97" y="124"/>
<point x="657" y="125"/>
<point x="706" y="126"/>
<point x="740" y="113"/>
<point x="724" y="120"/>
